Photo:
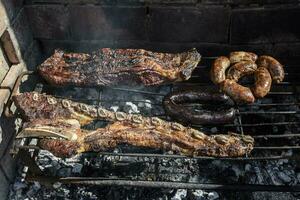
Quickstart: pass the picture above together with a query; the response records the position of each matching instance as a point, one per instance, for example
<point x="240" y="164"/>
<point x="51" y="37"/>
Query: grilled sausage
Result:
<point x="241" y="69"/>
<point x="238" y="56"/>
<point x="237" y="92"/>
<point x="263" y="82"/>
<point x="274" y="67"/>
<point x="183" y="114"/>
<point x="217" y="72"/>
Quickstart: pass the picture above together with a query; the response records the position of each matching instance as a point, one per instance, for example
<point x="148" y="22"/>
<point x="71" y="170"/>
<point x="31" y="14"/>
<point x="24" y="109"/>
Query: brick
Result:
<point x="22" y="32"/>
<point x="4" y="186"/>
<point x="107" y="22"/>
<point x="48" y="21"/>
<point x="9" y="48"/>
<point x="3" y="19"/>
<point x="8" y="83"/>
<point x="189" y="24"/>
<point x="3" y="66"/>
<point x="265" y="25"/>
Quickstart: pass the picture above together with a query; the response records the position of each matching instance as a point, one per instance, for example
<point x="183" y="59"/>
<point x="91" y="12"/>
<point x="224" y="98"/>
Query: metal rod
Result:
<point x="277" y="148"/>
<point x="175" y="185"/>
<point x="276" y="136"/>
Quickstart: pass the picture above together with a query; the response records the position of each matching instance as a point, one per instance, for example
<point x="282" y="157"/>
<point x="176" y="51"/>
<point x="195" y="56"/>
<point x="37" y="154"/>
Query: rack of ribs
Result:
<point x="49" y="117"/>
<point x="109" y="67"/>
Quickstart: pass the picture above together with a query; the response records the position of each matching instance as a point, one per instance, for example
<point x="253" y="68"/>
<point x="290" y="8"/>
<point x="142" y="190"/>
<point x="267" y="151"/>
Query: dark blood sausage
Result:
<point x="274" y="67"/>
<point x="263" y="82"/>
<point x="183" y="114"/>
<point x="237" y="92"/>
<point x="217" y="72"/>
<point x="238" y="56"/>
<point x="241" y="69"/>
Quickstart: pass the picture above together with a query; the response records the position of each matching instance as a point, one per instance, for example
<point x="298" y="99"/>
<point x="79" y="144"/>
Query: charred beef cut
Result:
<point x="139" y="135"/>
<point x="108" y="67"/>
<point x="52" y="117"/>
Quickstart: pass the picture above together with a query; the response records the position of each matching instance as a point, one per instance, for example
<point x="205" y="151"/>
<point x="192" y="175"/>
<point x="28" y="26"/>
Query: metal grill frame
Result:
<point x="36" y="174"/>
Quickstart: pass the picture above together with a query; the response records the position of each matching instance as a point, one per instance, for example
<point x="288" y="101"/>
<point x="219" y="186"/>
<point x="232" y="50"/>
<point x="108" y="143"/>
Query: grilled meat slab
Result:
<point x="48" y="116"/>
<point x="108" y="67"/>
<point x="139" y="135"/>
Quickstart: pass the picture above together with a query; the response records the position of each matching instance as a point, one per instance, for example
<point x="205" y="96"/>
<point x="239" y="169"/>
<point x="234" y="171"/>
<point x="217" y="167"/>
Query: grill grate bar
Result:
<point x="276" y="136"/>
<point x="162" y="184"/>
<point x="174" y="156"/>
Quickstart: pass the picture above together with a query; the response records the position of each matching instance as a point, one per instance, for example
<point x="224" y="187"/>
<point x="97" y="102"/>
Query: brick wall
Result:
<point x="214" y="27"/>
<point x="16" y="55"/>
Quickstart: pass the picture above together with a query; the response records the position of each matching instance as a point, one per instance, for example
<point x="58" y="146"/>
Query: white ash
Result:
<point x="114" y="108"/>
<point x="130" y="108"/>
<point x="213" y="195"/>
<point x="180" y="194"/>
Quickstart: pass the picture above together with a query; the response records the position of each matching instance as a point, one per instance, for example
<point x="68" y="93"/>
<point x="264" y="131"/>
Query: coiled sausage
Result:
<point x="274" y="67"/>
<point x="238" y="56"/>
<point x="263" y="82"/>
<point x="217" y="73"/>
<point x="241" y="69"/>
<point x="237" y="92"/>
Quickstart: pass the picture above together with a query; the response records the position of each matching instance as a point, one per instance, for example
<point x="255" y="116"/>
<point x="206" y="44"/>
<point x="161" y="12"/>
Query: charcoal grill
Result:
<point x="32" y="29"/>
<point x="279" y="108"/>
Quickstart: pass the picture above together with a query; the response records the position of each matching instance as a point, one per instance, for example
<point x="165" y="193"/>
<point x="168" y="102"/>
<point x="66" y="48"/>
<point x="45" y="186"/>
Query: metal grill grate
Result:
<point x="272" y="121"/>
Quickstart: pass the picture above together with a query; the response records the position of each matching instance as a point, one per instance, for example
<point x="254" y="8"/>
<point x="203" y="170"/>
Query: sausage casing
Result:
<point x="241" y="69"/>
<point x="172" y="105"/>
<point x="237" y="92"/>
<point x="274" y="67"/>
<point x="238" y="56"/>
<point x="217" y="72"/>
<point x="263" y="82"/>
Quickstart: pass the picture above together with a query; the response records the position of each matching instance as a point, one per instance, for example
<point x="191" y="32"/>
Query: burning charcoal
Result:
<point x="248" y="167"/>
<point x="130" y="108"/>
<point x="198" y="195"/>
<point x="57" y="185"/>
<point x="145" y="106"/>
<point x="19" y="186"/>
<point x="180" y="194"/>
<point x="64" y="172"/>
<point x="213" y="195"/>
<point x="214" y="130"/>
<point x="284" y="177"/>
<point x="77" y="168"/>
<point x="36" y="185"/>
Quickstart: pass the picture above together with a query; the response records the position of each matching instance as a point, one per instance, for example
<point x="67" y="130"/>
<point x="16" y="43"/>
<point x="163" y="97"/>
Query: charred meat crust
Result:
<point x="147" y="136"/>
<point x="107" y="67"/>
<point x="174" y="108"/>
<point x="124" y="128"/>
